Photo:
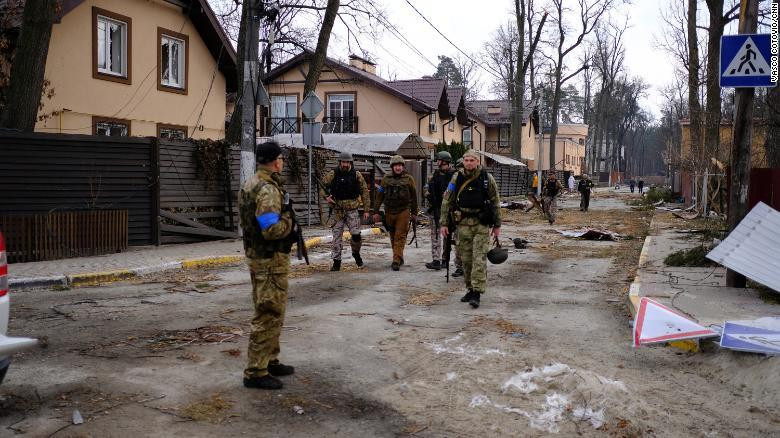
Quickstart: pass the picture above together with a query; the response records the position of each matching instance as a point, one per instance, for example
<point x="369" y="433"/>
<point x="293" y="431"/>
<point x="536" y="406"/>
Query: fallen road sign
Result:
<point x="758" y="336"/>
<point x="656" y="323"/>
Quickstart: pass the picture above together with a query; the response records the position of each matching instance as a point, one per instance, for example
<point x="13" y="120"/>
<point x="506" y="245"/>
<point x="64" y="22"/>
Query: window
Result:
<point x="503" y="136"/>
<point x="467" y="137"/>
<point x="451" y="126"/>
<point x="111" y="43"/>
<point x="172" y="54"/>
<point x="110" y="127"/>
<point x="432" y="122"/>
<point x="341" y="113"/>
<point x="582" y="141"/>
<point x="171" y="132"/>
<point x="284" y="114"/>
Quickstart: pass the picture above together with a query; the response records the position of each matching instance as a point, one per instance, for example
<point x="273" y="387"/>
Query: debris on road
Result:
<point x="298" y="410"/>
<point x="753" y="336"/>
<point x="77" y="418"/>
<point x="686" y="215"/>
<point x="517" y="205"/>
<point x="656" y="323"/>
<point x="213" y="409"/>
<point x="748" y="249"/>
<point x="591" y="234"/>
<point x="519" y="243"/>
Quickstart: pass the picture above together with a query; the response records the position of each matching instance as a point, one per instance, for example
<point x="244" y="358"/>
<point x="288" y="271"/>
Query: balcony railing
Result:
<point x="282" y="125"/>
<point x="497" y="144"/>
<point x="340" y="125"/>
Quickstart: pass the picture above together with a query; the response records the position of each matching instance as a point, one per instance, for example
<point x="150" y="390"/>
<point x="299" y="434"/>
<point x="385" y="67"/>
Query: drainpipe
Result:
<point x="442" y="128"/>
<point x="474" y="128"/>
<point x="419" y="130"/>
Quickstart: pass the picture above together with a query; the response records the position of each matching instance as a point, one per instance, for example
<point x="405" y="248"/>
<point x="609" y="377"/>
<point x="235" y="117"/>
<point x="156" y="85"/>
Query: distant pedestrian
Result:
<point x="641" y="187"/>
<point x="571" y="183"/>
<point x="535" y="182"/>
<point x="550" y="191"/>
<point x="345" y="190"/>
<point x="632" y="184"/>
<point x="584" y="187"/>
<point x="268" y="224"/>
<point x="397" y="191"/>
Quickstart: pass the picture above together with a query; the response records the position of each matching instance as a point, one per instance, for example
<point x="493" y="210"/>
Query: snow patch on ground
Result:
<point x="451" y="346"/>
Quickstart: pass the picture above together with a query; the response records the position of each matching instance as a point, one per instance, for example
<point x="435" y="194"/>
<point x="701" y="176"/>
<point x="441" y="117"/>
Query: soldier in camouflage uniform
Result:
<point x="397" y="191"/>
<point x="345" y="189"/>
<point x="435" y="189"/>
<point x="550" y="191"/>
<point x="268" y="225"/>
<point x="472" y="195"/>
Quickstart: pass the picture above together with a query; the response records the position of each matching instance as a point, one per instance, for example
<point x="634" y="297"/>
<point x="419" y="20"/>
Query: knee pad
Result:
<point x="357" y="238"/>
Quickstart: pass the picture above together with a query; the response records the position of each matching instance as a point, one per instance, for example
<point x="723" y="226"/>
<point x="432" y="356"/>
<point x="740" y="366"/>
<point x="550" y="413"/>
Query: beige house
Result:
<point x="359" y="101"/>
<point x="139" y="68"/>
<point x="569" y="148"/>
<point x="491" y="128"/>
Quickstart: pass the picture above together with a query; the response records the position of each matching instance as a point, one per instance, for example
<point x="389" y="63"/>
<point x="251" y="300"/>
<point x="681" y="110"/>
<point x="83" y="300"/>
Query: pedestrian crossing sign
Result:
<point x="747" y="61"/>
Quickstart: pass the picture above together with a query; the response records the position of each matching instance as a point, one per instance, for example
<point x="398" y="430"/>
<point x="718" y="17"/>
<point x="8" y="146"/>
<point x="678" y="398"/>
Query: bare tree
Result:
<point x="589" y="14"/>
<point x="500" y="54"/>
<point x="318" y="59"/>
<point x="468" y="70"/>
<point x="23" y="98"/>
<point x="694" y="66"/>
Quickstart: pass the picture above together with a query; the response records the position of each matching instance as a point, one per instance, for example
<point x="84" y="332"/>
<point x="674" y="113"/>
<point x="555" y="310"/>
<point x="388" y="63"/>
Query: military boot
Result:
<point x="358" y="259"/>
<point x="466" y="298"/>
<point x="279" y="369"/>
<point x="458" y="272"/>
<point x="395" y="266"/>
<point x="264" y="382"/>
<point x="474" y="301"/>
<point x="336" y="265"/>
<point x="436" y="265"/>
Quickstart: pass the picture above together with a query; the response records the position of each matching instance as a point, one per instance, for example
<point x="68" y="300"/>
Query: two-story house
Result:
<point x="138" y="67"/>
<point x="492" y="124"/>
<point x="357" y="100"/>
<point x="569" y="148"/>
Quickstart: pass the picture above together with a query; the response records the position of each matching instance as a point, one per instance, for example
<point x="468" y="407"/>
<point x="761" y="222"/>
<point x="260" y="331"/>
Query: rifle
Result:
<point x="447" y="247"/>
<point x="301" y="250"/>
<point x="414" y="234"/>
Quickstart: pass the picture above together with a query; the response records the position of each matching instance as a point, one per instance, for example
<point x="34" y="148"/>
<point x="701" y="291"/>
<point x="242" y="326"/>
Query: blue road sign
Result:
<point x="746" y="61"/>
<point x="757" y="336"/>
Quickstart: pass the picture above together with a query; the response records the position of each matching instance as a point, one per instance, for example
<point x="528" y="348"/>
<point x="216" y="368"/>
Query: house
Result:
<point x="138" y="68"/>
<point x="569" y="148"/>
<point x="358" y="101"/>
<point x="491" y="129"/>
<point x="723" y="152"/>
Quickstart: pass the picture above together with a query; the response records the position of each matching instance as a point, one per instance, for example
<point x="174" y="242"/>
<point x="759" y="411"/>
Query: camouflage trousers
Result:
<point x="269" y="296"/>
<point x="351" y="220"/>
<point x="473" y="246"/>
<point x="437" y="244"/>
<point x="550" y="207"/>
<point x="398" y="226"/>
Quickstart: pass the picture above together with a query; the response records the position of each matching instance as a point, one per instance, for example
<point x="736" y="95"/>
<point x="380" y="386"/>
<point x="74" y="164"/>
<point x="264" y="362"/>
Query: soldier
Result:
<point x="584" y="187"/>
<point x="397" y="191"/>
<point x="268" y="225"/>
<point x="344" y="189"/>
<point x="550" y="191"/>
<point x="436" y="187"/>
<point x="458" y="262"/>
<point x="472" y="194"/>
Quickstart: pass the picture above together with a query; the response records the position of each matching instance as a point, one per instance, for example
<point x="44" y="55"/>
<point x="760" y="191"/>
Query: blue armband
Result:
<point x="380" y="189"/>
<point x="267" y="220"/>
<point x="451" y="187"/>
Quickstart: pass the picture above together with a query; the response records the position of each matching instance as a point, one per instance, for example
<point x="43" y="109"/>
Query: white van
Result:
<point x="8" y="345"/>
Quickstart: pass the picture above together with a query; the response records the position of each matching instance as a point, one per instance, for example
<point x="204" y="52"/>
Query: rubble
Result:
<point x="592" y="234"/>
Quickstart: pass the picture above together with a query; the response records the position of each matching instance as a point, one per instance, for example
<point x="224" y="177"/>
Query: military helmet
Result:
<point x="345" y="156"/>
<point x="444" y="156"/>
<point x="459" y="163"/>
<point x="497" y="255"/>
<point x="397" y="159"/>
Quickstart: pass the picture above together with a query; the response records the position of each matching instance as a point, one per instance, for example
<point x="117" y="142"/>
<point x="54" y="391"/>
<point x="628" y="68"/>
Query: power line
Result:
<point x="491" y="71"/>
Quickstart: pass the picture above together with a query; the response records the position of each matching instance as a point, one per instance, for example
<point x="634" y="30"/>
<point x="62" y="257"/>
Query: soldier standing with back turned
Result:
<point x="436" y="186"/>
<point x="397" y="191"/>
<point x="268" y="224"/>
<point x="472" y="195"/>
<point x="344" y="189"/>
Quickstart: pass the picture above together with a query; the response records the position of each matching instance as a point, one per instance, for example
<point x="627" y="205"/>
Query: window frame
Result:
<point x="346" y="121"/>
<point x="297" y="117"/>
<point x="161" y="126"/>
<point x="101" y="119"/>
<point x="128" y="46"/>
<point x="471" y="136"/>
<point x="432" y="126"/>
<point x="162" y="32"/>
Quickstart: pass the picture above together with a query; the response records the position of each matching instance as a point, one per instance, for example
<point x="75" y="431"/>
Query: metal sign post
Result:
<point x="311" y="107"/>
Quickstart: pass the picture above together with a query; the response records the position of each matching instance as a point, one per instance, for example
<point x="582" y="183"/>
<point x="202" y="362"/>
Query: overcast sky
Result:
<point x="469" y="24"/>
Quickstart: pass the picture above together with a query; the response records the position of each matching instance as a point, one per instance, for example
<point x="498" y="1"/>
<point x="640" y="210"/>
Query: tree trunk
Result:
<point x="772" y="142"/>
<point x="694" y="104"/>
<point x="317" y="61"/>
<point x="233" y="133"/>
<point x="556" y="107"/>
<point x="516" y="127"/>
<point x="712" y="116"/>
<point x="29" y="66"/>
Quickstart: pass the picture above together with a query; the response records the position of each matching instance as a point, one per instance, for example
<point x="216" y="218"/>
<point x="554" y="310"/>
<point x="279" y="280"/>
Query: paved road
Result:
<point x="383" y="354"/>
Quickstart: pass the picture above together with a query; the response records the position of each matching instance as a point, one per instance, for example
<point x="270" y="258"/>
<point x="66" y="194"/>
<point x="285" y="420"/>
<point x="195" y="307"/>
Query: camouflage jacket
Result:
<point x="266" y="219"/>
<point x="450" y="195"/>
<point x="398" y="192"/>
<point x="547" y="191"/>
<point x="348" y="204"/>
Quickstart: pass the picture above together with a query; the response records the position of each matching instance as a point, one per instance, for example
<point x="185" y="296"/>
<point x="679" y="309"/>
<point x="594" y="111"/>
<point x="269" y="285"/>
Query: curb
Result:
<point x="635" y="294"/>
<point x="103" y="277"/>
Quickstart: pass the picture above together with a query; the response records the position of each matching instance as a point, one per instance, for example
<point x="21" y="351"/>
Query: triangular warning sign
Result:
<point x="657" y="323"/>
<point x="747" y="62"/>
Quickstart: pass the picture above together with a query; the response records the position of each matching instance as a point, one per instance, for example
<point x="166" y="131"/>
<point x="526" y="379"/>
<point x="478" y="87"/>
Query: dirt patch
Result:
<point x="214" y="409"/>
<point x="304" y="270"/>
<point x="175" y="339"/>
<point x="498" y="324"/>
<point x="427" y="298"/>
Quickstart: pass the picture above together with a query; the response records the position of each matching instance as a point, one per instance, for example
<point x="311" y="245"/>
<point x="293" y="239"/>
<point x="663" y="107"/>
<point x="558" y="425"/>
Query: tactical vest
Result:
<point x="398" y="196"/>
<point x="552" y="188"/>
<point x="255" y="245"/>
<point x="475" y="195"/>
<point x="439" y="183"/>
<point x="345" y="185"/>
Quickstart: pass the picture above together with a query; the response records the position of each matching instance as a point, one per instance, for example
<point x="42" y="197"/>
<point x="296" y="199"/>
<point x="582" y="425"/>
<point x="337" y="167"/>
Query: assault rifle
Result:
<point x="301" y="250"/>
<point x="447" y="246"/>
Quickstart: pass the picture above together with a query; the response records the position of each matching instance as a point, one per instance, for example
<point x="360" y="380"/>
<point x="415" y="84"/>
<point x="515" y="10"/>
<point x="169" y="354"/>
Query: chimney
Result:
<point x="363" y="64"/>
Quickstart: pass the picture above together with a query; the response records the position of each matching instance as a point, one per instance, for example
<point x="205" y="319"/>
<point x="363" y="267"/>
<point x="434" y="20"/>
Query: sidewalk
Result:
<point x="699" y="293"/>
<point x="137" y="261"/>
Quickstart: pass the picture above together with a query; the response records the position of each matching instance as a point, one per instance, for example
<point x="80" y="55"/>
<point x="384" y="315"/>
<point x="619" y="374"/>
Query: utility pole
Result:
<point x="740" y="151"/>
<point x="248" y="107"/>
